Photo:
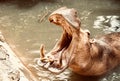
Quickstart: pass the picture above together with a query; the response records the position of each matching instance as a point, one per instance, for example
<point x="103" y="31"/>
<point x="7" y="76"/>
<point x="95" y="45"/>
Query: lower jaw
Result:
<point x="52" y="69"/>
<point x="61" y="52"/>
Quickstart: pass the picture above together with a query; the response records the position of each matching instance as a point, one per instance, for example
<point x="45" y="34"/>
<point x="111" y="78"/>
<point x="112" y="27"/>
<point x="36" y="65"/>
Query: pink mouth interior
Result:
<point x="56" y="60"/>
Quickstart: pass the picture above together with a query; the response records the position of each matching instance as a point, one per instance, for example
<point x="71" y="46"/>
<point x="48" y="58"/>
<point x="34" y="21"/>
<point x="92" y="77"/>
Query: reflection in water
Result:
<point x="75" y="77"/>
<point x="19" y="24"/>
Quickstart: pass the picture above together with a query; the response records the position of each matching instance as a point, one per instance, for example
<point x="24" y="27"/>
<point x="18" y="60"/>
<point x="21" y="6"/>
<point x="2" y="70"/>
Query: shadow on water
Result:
<point x="110" y="76"/>
<point x="26" y="3"/>
<point x="76" y="77"/>
<point x="116" y="2"/>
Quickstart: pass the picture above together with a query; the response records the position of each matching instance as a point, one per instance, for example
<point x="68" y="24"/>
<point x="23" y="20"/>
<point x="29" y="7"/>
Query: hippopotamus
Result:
<point x="77" y="51"/>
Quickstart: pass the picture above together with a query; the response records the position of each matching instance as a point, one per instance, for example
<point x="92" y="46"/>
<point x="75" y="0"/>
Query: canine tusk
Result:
<point x="42" y="52"/>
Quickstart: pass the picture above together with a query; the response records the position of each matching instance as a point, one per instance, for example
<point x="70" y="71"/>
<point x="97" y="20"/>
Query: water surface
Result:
<point x="25" y="26"/>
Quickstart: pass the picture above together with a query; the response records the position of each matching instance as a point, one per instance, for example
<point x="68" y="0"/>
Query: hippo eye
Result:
<point x="88" y="32"/>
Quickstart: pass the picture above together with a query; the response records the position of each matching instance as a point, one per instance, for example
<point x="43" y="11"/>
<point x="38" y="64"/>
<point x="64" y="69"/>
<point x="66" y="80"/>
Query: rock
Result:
<point x="11" y="68"/>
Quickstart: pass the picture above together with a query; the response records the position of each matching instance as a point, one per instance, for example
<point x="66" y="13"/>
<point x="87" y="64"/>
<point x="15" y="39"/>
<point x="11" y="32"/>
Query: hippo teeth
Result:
<point x="56" y="70"/>
<point x="43" y="64"/>
<point x="42" y="51"/>
<point x="47" y="65"/>
<point x="40" y="63"/>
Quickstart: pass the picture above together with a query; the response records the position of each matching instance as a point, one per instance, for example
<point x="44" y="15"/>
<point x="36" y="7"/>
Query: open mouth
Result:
<point x="57" y="60"/>
<point x="60" y="57"/>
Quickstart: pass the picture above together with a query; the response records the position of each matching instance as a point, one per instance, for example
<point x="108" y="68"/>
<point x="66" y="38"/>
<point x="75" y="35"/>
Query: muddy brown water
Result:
<point x="25" y="26"/>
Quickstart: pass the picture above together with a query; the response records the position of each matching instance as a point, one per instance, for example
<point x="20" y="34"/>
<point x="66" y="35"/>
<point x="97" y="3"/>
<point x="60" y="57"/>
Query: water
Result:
<point x="25" y="26"/>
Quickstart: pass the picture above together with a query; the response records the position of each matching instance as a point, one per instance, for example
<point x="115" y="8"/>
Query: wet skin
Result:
<point x="75" y="49"/>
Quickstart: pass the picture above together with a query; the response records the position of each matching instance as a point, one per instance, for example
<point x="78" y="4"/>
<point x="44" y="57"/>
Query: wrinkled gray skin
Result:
<point x="75" y="49"/>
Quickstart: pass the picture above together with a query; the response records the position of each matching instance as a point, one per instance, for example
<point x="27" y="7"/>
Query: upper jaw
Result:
<point x="59" y="20"/>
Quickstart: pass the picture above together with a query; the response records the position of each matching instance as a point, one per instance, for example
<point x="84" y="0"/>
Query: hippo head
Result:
<point x="60" y="57"/>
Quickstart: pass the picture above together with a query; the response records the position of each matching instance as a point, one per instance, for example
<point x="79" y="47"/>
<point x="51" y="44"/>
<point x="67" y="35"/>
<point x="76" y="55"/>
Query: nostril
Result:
<point x="51" y="20"/>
